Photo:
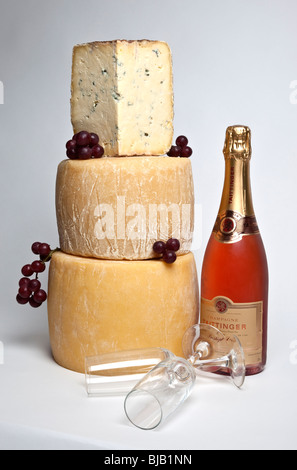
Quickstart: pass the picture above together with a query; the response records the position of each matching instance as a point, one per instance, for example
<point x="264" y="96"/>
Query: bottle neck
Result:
<point x="236" y="214"/>
<point x="237" y="194"/>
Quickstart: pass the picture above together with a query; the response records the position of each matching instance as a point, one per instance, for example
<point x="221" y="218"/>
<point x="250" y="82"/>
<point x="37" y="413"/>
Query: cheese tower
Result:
<point x="108" y="289"/>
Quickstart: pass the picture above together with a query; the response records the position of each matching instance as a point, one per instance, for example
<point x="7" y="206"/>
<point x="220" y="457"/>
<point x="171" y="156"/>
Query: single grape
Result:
<point x="159" y="247"/>
<point x="186" y="152"/>
<point x="24" y="292"/>
<point x="173" y="244"/>
<point x="182" y="141"/>
<point x="35" y="248"/>
<point x="38" y="266"/>
<point x="97" y="151"/>
<point x="44" y="249"/>
<point x="40" y="296"/>
<point x="33" y="303"/>
<point x="24" y="281"/>
<point x="27" y="270"/>
<point x="84" y="153"/>
<point x="169" y="256"/>
<point x="83" y="138"/>
<point x="72" y="154"/>
<point x="34" y="285"/>
<point x="20" y="300"/>
<point x="94" y="139"/>
<point x="174" y="151"/>
<point x="71" y="144"/>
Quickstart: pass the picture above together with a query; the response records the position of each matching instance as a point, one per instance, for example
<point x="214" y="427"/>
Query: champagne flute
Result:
<point x="160" y="392"/>
<point x="161" y="381"/>
<point x="163" y="389"/>
<point x="117" y="372"/>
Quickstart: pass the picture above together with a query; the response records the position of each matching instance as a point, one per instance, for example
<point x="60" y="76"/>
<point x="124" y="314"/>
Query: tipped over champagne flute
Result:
<point x="161" y="381"/>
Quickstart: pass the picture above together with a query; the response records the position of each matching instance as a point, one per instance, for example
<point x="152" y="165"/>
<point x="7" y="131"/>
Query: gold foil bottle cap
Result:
<point x="238" y="143"/>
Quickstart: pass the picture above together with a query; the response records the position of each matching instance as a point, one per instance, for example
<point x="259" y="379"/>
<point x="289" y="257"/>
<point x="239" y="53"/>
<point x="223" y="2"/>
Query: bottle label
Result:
<point x="245" y="320"/>
<point x="231" y="226"/>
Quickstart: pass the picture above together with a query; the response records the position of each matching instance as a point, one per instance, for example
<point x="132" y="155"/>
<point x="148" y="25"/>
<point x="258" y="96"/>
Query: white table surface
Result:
<point x="44" y="406"/>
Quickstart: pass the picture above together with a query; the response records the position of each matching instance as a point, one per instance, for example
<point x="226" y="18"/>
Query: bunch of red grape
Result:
<point x="84" y="145"/>
<point x="167" y="250"/>
<point x="30" y="289"/>
<point x="181" y="148"/>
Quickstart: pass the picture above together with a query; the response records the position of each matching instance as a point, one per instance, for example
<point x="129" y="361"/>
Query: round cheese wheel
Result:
<point x="101" y="306"/>
<point x="116" y="208"/>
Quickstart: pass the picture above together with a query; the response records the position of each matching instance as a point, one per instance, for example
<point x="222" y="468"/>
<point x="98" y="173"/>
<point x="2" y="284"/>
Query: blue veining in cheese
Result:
<point x="123" y="91"/>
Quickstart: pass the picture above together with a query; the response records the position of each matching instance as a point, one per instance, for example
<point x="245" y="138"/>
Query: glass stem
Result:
<point x="221" y="362"/>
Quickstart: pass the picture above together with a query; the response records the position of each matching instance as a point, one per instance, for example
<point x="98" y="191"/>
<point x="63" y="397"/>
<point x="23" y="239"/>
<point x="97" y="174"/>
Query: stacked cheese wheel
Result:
<point x="108" y="290"/>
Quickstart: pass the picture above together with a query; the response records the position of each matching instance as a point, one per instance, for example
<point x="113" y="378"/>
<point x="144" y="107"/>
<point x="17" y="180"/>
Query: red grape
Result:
<point x="174" y="151"/>
<point x="71" y="145"/>
<point x="182" y="141"/>
<point x="38" y="266"/>
<point x="83" y="138"/>
<point x="186" y="152"/>
<point x="173" y="244"/>
<point x="44" y="249"/>
<point x="72" y="154"/>
<point x="94" y="139"/>
<point x="35" y="248"/>
<point x="27" y="270"/>
<point x="169" y="256"/>
<point x="24" y="281"/>
<point x="97" y="151"/>
<point x="159" y="247"/>
<point x="40" y="296"/>
<point x="24" y="292"/>
<point x="34" y="285"/>
<point x="20" y="300"/>
<point x="84" y="153"/>
<point x="33" y="303"/>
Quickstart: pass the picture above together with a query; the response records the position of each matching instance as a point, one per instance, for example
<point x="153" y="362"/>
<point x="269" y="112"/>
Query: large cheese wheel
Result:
<point x="116" y="208"/>
<point x="100" y="306"/>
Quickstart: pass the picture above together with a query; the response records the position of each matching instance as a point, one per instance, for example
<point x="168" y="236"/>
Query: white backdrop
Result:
<point x="234" y="62"/>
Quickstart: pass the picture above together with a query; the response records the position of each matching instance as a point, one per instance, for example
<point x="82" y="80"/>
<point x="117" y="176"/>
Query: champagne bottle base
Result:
<point x="250" y="370"/>
<point x="254" y="370"/>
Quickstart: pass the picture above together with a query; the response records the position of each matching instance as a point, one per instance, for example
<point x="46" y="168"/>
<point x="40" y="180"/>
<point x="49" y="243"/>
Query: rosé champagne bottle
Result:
<point x="234" y="280"/>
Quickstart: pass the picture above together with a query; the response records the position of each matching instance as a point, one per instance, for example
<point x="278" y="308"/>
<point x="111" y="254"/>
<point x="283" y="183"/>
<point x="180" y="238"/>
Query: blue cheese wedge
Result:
<point x="123" y="91"/>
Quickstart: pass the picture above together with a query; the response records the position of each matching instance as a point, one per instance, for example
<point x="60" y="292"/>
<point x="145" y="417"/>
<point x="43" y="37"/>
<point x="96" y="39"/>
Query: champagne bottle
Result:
<point x="234" y="279"/>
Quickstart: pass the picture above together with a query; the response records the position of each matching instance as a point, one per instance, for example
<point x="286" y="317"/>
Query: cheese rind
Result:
<point x="123" y="91"/>
<point x="116" y="208"/>
<point x="99" y="306"/>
